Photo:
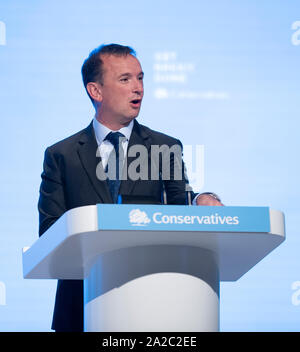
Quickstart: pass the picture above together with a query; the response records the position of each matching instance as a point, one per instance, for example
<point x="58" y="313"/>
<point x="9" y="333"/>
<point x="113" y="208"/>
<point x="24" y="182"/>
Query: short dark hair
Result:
<point x="92" y="68"/>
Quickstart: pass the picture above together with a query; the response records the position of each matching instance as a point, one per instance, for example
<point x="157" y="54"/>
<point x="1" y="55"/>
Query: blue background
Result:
<point x="238" y="96"/>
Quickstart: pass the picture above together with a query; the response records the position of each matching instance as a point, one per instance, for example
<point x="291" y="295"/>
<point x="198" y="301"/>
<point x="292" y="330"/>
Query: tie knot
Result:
<point x="114" y="137"/>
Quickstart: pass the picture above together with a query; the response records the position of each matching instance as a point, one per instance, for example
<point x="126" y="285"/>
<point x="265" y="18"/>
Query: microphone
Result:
<point x="164" y="193"/>
<point x="188" y="198"/>
<point x="188" y="194"/>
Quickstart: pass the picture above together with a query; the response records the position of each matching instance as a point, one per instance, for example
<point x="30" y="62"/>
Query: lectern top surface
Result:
<point x="239" y="236"/>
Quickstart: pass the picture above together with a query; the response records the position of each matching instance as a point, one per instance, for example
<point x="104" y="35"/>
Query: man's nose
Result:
<point x="138" y="87"/>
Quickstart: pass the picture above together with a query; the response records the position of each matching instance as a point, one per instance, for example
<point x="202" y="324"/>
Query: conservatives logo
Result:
<point x="182" y="218"/>
<point x="138" y="218"/>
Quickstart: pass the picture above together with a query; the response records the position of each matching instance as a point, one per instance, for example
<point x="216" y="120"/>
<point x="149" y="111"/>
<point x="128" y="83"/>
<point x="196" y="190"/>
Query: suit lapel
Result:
<point x="87" y="150"/>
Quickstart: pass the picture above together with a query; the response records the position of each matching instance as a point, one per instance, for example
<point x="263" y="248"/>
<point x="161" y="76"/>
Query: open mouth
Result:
<point x="136" y="102"/>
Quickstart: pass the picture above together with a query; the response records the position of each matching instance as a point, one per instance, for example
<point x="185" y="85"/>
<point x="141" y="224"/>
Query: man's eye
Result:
<point x="124" y="79"/>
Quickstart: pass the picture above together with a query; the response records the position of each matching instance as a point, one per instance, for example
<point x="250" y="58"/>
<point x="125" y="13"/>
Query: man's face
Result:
<point x="122" y="88"/>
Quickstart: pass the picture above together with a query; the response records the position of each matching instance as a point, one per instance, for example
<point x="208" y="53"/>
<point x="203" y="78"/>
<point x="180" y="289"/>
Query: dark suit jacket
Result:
<point x="69" y="180"/>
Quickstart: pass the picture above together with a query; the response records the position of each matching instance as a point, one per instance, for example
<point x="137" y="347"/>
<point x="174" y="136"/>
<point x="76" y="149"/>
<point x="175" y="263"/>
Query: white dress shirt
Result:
<point x="105" y="147"/>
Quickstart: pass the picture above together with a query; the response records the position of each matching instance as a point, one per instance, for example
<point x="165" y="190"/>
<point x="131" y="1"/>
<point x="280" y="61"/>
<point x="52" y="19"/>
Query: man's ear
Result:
<point x="94" y="90"/>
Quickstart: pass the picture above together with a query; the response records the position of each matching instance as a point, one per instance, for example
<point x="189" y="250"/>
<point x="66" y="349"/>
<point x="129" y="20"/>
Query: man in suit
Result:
<point x="73" y="168"/>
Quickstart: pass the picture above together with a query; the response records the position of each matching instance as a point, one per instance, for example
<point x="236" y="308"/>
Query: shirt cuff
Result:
<point x="194" y="202"/>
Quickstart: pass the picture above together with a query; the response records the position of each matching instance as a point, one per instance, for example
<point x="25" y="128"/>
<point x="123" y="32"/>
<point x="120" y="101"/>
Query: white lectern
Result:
<point x="153" y="268"/>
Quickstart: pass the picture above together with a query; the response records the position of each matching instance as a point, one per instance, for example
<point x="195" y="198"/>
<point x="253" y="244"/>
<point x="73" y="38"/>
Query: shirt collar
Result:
<point x="102" y="131"/>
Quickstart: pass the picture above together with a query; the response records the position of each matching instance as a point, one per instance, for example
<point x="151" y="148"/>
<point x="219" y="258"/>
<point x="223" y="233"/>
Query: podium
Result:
<point x="153" y="267"/>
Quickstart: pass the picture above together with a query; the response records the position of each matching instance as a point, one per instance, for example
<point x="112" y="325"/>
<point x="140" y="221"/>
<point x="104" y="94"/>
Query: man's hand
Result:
<point x="207" y="199"/>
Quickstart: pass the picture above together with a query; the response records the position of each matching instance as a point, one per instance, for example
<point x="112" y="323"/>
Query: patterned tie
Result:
<point x="115" y="163"/>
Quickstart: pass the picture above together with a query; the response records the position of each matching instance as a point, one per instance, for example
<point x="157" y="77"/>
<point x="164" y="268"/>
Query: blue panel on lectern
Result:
<point x="182" y="218"/>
